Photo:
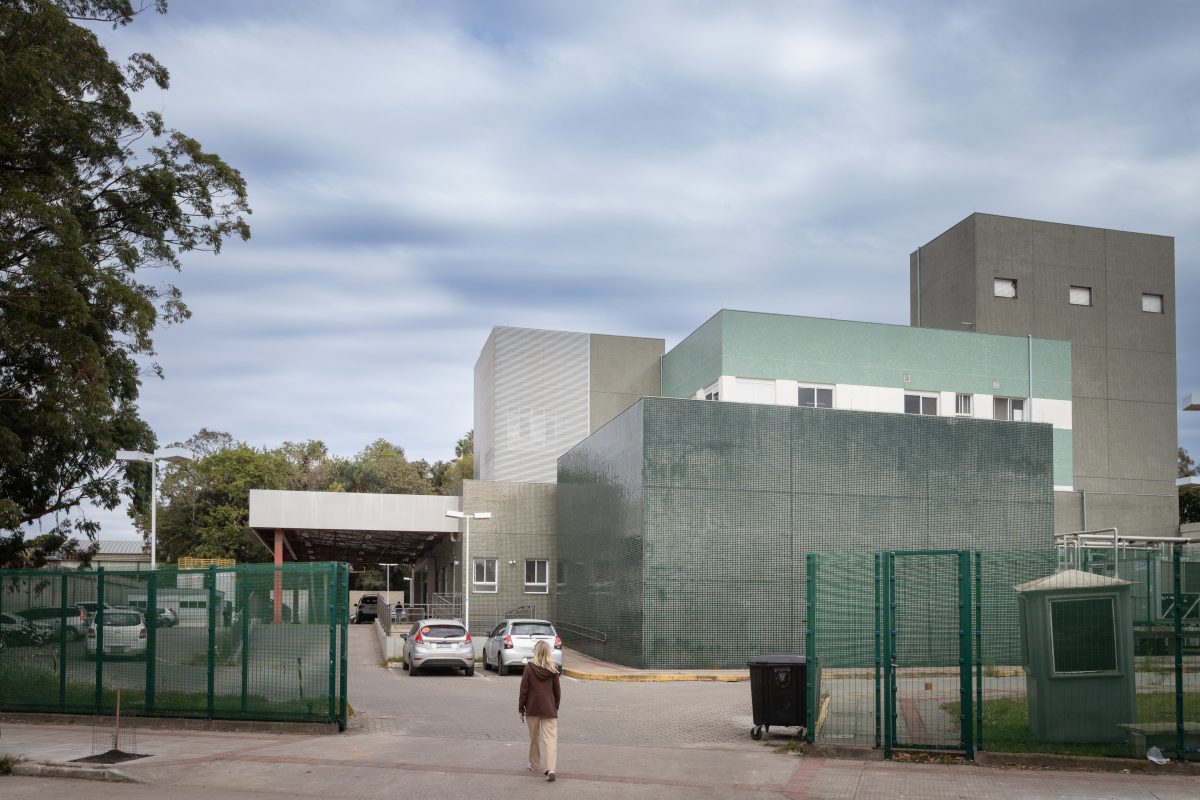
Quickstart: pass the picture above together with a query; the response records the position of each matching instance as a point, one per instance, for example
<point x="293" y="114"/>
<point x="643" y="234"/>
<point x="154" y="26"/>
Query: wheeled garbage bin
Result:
<point x="778" y="692"/>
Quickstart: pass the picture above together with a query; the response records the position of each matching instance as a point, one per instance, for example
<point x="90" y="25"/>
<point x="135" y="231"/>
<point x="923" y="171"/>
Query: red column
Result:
<point x="278" y="576"/>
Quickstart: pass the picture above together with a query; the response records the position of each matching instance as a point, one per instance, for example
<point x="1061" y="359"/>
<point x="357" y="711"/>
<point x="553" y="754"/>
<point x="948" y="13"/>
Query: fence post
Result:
<point x="331" y="587"/>
<point x="62" y="643"/>
<point x="965" y="641"/>
<point x="1176" y="558"/>
<point x="244" y="608"/>
<point x="889" y="653"/>
<point x="878" y="655"/>
<point x="810" y="650"/>
<point x="151" y="636"/>
<point x="99" y="620"/>
<point x="212" y="637"/>
<point x="343" y="618"/>
<point x="978" y="651"/>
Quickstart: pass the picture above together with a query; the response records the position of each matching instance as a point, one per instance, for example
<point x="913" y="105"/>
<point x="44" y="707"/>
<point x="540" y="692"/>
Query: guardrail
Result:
<point x="579" y="630"/>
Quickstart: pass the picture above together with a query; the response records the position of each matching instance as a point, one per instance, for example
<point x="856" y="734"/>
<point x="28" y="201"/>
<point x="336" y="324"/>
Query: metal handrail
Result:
<point x="590" y="633"/>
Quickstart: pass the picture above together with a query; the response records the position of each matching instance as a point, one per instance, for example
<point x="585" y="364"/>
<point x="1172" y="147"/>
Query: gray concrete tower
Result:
<point x="1112" y="295"/>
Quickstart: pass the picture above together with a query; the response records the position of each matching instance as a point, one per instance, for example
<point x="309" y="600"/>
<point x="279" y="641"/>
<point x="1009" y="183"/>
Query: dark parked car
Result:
<point x="16" y="630"/>
<point x="50" y="618"/>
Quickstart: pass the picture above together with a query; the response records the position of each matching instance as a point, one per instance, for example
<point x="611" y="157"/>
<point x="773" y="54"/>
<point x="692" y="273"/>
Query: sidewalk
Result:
<point x="584" y="667"/>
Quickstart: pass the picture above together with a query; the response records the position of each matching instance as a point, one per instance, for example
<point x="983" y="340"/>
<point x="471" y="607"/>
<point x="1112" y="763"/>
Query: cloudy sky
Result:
<point x="423" y="171"/>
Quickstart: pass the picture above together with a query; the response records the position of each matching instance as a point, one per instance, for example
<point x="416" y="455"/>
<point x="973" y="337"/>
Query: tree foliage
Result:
<point x="205" y="504"/>
<point x="92" y="198"/>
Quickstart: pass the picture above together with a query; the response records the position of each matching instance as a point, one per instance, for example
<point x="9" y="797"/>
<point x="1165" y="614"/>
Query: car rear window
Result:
<point x="444" y="631"/>
<point x="118" y="619"/>
<point x="532" y="629"/>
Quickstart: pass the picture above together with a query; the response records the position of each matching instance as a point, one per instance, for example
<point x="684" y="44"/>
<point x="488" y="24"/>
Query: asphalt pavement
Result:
<point x="446" y="734"/>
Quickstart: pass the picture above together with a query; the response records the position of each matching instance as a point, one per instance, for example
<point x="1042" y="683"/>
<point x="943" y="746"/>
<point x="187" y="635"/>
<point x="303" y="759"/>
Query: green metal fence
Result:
<point x="255" y="642"/>
<point x="1011" y="651"/>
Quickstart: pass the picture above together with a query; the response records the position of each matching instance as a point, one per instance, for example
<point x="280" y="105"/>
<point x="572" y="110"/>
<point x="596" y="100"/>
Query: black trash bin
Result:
<point x="778" y="692"/>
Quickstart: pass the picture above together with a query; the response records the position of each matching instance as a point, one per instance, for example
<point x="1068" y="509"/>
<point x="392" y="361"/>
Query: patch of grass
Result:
<point x="1006" y="725"/>
<point x="7" y="762"/>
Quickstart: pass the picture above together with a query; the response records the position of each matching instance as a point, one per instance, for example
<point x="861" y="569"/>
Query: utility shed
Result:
<point x="1077" y="646"/>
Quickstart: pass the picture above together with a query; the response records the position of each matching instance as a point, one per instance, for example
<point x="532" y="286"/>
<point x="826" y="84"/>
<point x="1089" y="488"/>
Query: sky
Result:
<point x="423" y="171"/>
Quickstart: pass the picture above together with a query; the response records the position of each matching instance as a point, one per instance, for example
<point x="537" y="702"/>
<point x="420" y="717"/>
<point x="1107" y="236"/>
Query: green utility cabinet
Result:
<point x="1077" y="646"/>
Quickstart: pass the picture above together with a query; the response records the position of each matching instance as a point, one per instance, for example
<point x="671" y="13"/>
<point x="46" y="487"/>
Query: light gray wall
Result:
<point x="1123" y="359"/>
<point x="622" y="370"/>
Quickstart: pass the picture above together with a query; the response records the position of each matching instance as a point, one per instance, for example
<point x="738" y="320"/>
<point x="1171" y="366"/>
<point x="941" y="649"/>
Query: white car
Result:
<point x="124" y="633"/>
<point x="510" y="644"/>
<point x="438" y="643"/>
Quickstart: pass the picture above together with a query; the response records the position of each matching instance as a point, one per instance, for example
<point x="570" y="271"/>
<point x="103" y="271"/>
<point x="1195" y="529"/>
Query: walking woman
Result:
<point x="538" y="706"/>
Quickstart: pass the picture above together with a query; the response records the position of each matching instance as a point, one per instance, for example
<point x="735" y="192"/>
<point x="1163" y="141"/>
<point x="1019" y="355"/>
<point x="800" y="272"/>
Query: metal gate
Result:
<point x="924" y="643"/>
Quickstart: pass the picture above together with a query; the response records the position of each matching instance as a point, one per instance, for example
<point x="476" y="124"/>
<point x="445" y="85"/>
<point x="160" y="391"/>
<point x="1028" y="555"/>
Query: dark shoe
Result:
<point x="550" y="775"/>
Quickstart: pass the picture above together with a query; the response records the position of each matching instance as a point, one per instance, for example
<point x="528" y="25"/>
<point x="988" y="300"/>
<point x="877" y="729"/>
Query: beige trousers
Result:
<point x="543" y="742"/>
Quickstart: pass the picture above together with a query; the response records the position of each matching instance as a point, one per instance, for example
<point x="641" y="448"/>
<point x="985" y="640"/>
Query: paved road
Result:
<point x="449" y="705"/>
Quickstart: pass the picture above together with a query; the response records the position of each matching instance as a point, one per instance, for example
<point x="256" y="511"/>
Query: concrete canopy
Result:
<point x="350" y="527"/>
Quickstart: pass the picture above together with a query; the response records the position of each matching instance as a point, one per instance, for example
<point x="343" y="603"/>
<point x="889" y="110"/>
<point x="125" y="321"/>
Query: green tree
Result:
<point x="205" y="506"/>
<point x="92" y="197"/>
<point x="449" y="475"/>
<point x="1189" y="496"/>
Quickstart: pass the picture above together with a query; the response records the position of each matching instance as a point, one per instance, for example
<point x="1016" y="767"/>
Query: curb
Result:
<point x="51" y="769"/>
<point x="642" y="677"/>
<point x="176" y="723"/>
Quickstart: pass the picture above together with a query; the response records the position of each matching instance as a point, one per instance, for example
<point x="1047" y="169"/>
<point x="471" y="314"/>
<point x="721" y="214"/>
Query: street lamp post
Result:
<point x="172" y="455"/>
<point x="387" y="582"/>
<point x="466" y="518"/>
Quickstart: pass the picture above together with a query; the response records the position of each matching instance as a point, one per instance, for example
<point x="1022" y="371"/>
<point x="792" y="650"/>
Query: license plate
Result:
<point x="444" y="645"/>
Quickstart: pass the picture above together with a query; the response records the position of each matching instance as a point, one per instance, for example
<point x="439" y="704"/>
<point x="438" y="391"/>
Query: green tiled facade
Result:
<point x="683" y="525"/>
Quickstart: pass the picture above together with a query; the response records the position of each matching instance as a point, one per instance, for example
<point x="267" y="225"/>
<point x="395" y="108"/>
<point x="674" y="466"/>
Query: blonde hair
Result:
<point x="541" y="656"/>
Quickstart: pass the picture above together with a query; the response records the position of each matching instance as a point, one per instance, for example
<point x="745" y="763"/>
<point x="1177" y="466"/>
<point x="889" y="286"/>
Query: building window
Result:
<point x="1083" y="635"/>
<point x="1152" y="303"/>
<point x="537" y="579"/>
<point x="962" y="405"/>
<point x="815" y="396"/>
<point x="1010" y="408"/>
<point x="1004" y="287"/>
<point x="1081" y="295"/>
<point x="926" y="405"/>
<point x="713" y="392"/>
<point x="485" y="575"/>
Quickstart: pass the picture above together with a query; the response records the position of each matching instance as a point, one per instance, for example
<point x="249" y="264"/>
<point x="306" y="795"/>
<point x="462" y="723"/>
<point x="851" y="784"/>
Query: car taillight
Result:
<point x="418" y="638"/>
<point x="558" y="643"/>
<point x="468" y="637"/>
<point x="91" y="633"/>
<point x="82" y="616"/>
<point x="142" y="633"/>
<point x="508" y="645"/>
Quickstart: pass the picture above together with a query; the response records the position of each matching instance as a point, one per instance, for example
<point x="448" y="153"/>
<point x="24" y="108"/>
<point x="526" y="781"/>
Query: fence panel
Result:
<point x="246" y="642"/>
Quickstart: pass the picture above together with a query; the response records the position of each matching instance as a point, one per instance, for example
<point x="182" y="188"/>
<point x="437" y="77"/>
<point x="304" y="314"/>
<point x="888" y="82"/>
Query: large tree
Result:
<point x="93" y="198"/>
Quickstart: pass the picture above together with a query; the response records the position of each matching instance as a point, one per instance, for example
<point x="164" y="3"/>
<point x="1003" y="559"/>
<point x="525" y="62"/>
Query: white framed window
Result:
<point x="814" y="396"/>
<point x="923" y="404"/>
<point x="1152" y="303"/>
<point x="963" y="404"/>
<point x="753" y="390"/>
<point x="713" y="392"/>
<point x="1080" y="295"/>
<point x="1010" y="408"/>
<point x="537" y="576"/>
<point x="484" y="575"/>
<point x="1004" y="287"/>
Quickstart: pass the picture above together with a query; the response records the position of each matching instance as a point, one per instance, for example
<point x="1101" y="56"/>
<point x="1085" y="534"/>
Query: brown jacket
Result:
<point x="540" y="692"/>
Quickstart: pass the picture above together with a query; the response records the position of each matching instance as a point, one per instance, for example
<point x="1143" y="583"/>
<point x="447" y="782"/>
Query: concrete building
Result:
<point x="1111" y="294"/>
<point x="539" y="392"/>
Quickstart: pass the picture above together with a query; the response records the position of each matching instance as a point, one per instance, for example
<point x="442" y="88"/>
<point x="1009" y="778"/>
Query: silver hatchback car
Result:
<point x="438" y="643"/>
<point x="510" y="644"/>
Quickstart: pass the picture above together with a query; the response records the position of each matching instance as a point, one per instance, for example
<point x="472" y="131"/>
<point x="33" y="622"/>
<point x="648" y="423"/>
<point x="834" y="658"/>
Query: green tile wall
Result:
<point x="686" y="523"/>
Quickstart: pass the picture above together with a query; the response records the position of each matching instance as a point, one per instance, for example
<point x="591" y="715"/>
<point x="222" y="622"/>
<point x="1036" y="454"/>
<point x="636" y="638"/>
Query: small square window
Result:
<point x="1081" y="295"/>
<point x="1009" y="408"/>
<point x="1004" y="287"/>
<point x="484" y="578"/>
<point x="962" y="405"/>
<point x="1152" y="303"/>
<point x="537" y="580"/>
